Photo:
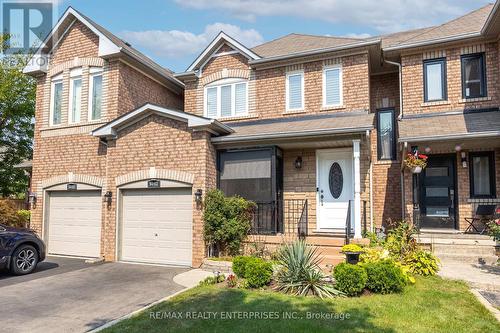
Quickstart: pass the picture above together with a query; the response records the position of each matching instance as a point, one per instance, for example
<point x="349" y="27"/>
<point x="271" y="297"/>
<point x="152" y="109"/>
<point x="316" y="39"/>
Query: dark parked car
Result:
<point x="20" y="250"/>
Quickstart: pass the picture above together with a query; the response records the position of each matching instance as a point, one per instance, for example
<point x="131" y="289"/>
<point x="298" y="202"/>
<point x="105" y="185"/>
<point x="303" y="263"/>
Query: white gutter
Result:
<point x="400" y="67"/>
<point x="451" y="137"/>
<point x="313" y="52"/>
<point x="433" y="41"/>
<point x="280" y="135"/>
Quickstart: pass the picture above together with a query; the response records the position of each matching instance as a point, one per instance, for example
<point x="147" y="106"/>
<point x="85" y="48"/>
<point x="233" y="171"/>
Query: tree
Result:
<point x="17" y="111"/>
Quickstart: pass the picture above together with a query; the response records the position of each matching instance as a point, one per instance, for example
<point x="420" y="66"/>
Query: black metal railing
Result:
<point x="289" y="216"/>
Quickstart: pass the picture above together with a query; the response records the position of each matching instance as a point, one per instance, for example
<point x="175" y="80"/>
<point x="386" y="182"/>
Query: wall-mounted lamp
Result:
<point x="108" y="197"/>
<point x="32" y="199"/>
<point x="427" y="149"/>
<point x="464" y="159"/>
<point x="298" y="162"/>
<point x="198" y="195"/>
<point x="458" y="148"/>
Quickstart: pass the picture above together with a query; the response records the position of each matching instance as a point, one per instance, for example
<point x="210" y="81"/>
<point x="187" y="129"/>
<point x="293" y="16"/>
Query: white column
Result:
<point x="357" y="189"/>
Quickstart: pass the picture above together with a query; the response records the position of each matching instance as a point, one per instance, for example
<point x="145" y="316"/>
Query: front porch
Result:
<point x="462" y="173"/>
<point x="313" y="186"/>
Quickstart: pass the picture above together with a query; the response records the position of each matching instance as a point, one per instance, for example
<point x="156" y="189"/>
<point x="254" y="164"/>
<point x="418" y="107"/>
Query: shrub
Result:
<point x="227" y="221"/>
<point x="9" y="215"/>
<point x="375" y="238"/>
<point x="384" y="277"/>
<point x="209" y="280"/>
<point x="231" y="281"/>
<point x="25" y="215"/>
<point x="300" y="273"/>
<point x="240" y="264"/>
<point x="350" y="279"/>
<point x="422" y="263"/>
<point x="494" y="230"/>
<point x="401" y="241"/>
<point x="373" y="254"/>
<point x="258" y="273"/>
<point x="352" y="248"/>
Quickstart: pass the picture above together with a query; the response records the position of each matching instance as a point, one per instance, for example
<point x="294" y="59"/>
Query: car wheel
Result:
<point x="24" y="260"/>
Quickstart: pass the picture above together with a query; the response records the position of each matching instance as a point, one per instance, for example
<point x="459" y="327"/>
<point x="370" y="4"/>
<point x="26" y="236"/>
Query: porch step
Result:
<point x="456" y="239"/>
<point x="467" y="259"/>
<point x="464" y="249"/>
<point x="325" y="240"/>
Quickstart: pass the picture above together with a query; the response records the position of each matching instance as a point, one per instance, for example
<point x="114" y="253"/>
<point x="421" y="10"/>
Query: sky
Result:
<point x="174" y="32"/>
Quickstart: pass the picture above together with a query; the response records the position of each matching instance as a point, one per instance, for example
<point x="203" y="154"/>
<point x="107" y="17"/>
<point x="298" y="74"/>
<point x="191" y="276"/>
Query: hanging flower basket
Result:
<point x="416" y="162"/>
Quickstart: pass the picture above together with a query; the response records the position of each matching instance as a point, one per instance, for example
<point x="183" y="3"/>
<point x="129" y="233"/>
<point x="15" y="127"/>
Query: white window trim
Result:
<point x="70" y="102"/>
<point x="221" y="83"/>
<point x="293" y="73"/>
<point x="94" y="71"/>
<point x="341" y="85"/>
<point x="56" y="79"/>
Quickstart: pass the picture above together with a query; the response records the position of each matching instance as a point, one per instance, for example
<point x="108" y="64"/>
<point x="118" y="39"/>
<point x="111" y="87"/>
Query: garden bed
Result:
<point x="432" y="304"/>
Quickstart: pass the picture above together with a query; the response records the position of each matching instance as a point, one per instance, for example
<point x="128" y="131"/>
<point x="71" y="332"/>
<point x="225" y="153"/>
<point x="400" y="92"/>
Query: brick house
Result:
<point x="312" y="128"/>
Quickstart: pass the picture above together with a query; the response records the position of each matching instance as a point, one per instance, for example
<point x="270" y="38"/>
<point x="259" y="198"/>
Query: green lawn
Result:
<point x="431" y="305"/>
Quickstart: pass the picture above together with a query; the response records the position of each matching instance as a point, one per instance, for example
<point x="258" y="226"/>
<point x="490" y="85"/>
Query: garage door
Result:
<point x="74" y="223"/>
<point x="156" y="226"/>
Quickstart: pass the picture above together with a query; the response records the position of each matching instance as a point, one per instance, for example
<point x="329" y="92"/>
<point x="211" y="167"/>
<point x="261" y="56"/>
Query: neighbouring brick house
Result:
<point x="310" y="127"/>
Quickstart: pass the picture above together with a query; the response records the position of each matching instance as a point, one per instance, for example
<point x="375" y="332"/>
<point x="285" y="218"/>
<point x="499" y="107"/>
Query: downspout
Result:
<point x="400" y="116"/>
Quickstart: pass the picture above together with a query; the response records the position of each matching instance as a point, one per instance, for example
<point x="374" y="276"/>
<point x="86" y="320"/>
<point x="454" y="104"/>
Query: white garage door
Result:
<point x="156" y="226"/>
<point x="74" y="223"/>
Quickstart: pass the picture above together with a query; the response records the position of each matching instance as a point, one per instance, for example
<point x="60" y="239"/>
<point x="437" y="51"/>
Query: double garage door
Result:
<point x="155" y="225"/>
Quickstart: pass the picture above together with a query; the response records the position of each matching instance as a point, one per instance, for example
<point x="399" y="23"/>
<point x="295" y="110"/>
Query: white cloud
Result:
<point x="382" y="15"/>
<point x="176" y="44"/>
<point x="355" y="35"/>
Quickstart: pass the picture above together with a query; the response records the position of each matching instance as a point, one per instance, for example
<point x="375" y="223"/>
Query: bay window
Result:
<point x="226" y="98"/>
<point x="75" y="95"/>
<point x="95" y="94"/>
<point x="56" y="100"/>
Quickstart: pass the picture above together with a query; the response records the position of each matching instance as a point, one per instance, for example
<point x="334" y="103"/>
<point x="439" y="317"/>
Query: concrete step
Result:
<point x="457" y="241"/>
<point x="470" y="250"/>
<point x="469" y="259"/>
<point x="456" y="235"/>
<point x="325" y="241"/>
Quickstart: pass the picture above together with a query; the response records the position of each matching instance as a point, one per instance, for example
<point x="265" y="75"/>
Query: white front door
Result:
<point x="335" y="188"/>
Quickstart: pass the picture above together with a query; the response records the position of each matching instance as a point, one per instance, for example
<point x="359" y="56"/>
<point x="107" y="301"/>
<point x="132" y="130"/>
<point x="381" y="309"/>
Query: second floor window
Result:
<point x="295" y="91"/>
<point x="56" y="100"/>
<point x="386" y="135"/>
<point x="435" y="80"/>
<point x="95" y="93"/>
<point x="75" y="96"/>
<point x="226" y="98"/>
<point x="473" y="76"/>
<point x="332" y="86"/>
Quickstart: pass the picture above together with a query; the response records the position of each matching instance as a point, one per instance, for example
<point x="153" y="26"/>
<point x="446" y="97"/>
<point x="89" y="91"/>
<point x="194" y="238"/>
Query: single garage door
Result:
<point x="156" y="226"/>
<point x="74" y="223"/>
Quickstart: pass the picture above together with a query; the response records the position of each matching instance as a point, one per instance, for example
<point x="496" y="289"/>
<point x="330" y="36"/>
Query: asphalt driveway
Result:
<point x="67" y="295"/>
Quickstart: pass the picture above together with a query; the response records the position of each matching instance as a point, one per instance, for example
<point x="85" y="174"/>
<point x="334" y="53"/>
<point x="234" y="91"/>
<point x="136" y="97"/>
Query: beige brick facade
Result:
<point x="173" y="151"/>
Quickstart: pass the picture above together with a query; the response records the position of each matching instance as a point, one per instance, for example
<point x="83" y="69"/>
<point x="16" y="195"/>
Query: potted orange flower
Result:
<point x="416" y="162"/>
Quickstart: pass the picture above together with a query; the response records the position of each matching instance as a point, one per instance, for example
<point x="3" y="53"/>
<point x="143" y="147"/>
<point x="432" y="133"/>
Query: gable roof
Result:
<point x="109" y="45"/>
<point x="295" y="43"/>
<point x="218" y="41"/>
<point x="196" y="122"/>
<point x="467" y="26"/>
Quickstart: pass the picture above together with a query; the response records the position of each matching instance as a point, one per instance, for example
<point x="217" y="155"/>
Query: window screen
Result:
<point x="248" y="174"/>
